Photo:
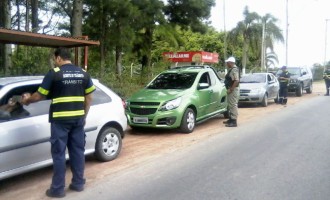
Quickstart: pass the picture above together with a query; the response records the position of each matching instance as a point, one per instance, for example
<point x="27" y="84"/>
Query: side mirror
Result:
<point x="203" y="86"/>
<point x="304" y="73"/>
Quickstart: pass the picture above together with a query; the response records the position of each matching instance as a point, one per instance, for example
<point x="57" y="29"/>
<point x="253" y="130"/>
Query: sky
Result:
<point x="308" y="30"/>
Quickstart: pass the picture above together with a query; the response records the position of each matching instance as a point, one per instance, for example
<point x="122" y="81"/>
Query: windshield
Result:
<point x="173" y="81"/>
<point x="292" y="71"/>
<point x="253" y="78"/>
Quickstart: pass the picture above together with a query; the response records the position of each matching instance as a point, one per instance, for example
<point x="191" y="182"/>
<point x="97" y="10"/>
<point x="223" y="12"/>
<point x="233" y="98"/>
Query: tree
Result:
<point x="249" y="29"/>
<point x="34" y="14"/>
<point x="5" y="49"/>
<point x="150" y="16"/>
<point x="271" y="34"/>
<point x="189" y="13"/>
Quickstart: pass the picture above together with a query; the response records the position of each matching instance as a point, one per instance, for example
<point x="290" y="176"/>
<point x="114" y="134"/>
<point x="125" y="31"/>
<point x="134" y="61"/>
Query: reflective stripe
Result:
<point x="88" y="90"/>
<point x="68" y="99"/>
<point x="43" y="91"/>
<point x="56" y="69"/>
<point x="68" y="113"/>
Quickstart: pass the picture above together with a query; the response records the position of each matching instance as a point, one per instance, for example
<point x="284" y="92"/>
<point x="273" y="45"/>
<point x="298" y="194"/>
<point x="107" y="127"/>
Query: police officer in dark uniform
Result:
<point x="284" y="78"/>
<point x="326" y="77"/>
<point x="70" y="89"/>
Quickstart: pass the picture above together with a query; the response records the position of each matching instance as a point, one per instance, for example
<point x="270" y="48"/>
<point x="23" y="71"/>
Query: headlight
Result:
<point x="170" y="105"/>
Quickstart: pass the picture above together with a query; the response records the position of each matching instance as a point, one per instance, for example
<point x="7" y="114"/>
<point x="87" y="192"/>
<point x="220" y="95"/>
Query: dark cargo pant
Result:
<point x="72" y="135"/>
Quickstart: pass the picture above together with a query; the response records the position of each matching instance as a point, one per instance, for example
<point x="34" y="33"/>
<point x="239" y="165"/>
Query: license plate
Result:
<point x="140" y="120"/>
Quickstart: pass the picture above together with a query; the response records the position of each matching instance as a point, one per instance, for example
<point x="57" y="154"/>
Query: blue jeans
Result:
<point x="69" y="134"/>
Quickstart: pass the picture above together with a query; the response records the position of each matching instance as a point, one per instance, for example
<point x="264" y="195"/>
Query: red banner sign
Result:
<point x="192" y="56"/>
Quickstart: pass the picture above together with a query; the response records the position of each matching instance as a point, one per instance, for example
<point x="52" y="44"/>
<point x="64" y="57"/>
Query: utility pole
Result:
<point x="326" y="41"/>
<point x="286" y="34"/>
<point x="263" y="51"/>
<point x="224" y="29"/>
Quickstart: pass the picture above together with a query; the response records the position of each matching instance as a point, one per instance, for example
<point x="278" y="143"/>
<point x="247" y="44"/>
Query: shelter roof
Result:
<point x="36" y="39"/>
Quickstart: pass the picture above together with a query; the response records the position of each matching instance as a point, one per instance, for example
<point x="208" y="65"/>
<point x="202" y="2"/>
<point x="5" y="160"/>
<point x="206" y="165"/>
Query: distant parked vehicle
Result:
<point x="258" y="88"/>
<point x="301" y="78"/>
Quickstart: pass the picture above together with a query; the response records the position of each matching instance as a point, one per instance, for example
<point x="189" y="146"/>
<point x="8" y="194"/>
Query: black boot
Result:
<point x="285" y="101"/>
<point x="232" y="123"/>
<point x="227" y="121"/>
<point x="280" y="100"/>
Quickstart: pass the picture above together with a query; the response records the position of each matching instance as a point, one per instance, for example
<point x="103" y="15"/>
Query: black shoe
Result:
<point x="227" y="121"/>
<point x="49" y="193"/>
<point x="233" y="123"/>
<point x="75" y="188"/>
<point x="326" y="95"/>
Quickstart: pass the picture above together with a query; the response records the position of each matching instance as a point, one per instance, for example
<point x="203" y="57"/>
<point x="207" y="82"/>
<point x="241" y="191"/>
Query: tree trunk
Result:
<point x="35" y="20"/>
<point x="77" y="12"/>
<point x="102" y="39"/>
<point x="5" y="49"/>
<point x="27" y="14"/>
<point x="146" y="58"/>
<point x="18" y="13"/>
<point x="245" y="54"/>
<point x="118" y="60"/>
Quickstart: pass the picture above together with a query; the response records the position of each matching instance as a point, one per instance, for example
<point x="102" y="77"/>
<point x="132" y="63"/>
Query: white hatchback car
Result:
<point x="24" y="139"/>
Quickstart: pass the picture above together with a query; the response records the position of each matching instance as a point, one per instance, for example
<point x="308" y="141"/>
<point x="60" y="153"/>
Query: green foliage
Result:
<point x="31" y="60"/>
<point x="318" y="72"/>
<point x="189" y="13"/>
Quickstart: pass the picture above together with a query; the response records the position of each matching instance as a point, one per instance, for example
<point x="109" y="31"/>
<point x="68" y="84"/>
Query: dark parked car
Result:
<point x="301" y="78"/>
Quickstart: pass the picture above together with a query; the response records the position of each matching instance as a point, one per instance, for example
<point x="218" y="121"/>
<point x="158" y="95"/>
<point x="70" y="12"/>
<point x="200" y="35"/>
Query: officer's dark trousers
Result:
<point x="283" y="94"/>
<point x="327" y="86"/>
<point x="69" y="134"/>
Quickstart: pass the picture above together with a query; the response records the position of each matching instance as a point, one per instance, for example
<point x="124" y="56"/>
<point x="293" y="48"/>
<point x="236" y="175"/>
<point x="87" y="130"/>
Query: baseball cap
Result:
<point x="231" y="59"/>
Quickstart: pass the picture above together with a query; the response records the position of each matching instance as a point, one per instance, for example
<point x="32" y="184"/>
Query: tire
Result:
<point x="108" y="144"/>
<point x="299" y="91"/>
<point x="188" y="122"/>
<point x="264" y="102"/>
<point x="309" y="90"/>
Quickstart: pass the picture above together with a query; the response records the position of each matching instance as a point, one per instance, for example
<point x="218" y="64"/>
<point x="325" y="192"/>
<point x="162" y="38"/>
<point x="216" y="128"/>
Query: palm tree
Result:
<point x="249" y="29"/>
<point x="256" y="31"/>
<point x="271" y="59"/>
<point x="271" y="34"/>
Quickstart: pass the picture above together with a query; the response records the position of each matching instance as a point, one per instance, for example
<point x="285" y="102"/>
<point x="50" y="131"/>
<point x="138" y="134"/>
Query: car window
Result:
<point x="253" y="78"/>
<point x="38" y="108"/>
<point x="205" y="78"/>
<point x="212" y="78"/>
<point x="13" y="111"/>
<point x="100" y="97"/>
<point x="173" y="81"/>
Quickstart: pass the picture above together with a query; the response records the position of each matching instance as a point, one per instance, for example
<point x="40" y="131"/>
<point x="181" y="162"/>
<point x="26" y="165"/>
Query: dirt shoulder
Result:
<point x="141" y="147"/>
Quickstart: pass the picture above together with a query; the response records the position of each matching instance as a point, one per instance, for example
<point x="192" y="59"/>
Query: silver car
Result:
<point x="25" y="133"/>
<point x="258" y="88"/>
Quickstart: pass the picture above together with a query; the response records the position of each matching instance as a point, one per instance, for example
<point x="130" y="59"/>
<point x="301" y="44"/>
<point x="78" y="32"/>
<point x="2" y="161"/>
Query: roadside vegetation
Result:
<point x="133" y="34"/>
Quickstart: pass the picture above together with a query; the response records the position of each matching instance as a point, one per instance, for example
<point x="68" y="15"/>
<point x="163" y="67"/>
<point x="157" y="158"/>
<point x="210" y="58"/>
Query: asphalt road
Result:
<point x="284" y="156"/>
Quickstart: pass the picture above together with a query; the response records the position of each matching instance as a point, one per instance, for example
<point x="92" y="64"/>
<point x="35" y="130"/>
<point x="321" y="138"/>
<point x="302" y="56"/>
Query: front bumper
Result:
<point x="160" y="119"/>
<point x="250" y="97"/>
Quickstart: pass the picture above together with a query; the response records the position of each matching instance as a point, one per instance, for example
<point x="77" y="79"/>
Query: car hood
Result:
<point x="156" y="95"/>
<point x="294" y="76"/>
<point x="251" y="85"/>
